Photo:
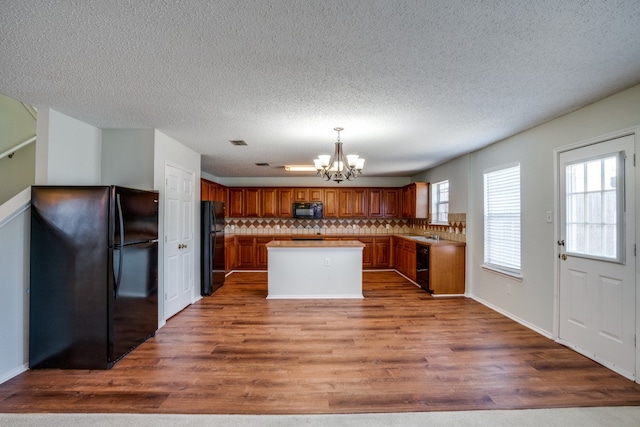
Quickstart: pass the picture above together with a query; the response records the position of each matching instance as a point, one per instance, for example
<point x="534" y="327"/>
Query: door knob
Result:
<point x="564" y="257"/>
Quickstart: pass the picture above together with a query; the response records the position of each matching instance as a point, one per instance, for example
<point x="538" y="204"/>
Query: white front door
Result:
<point x="597" y="259"/>
<point x="178" y="246"/>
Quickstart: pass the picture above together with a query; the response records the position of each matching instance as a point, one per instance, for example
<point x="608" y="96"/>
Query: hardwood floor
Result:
<point x="398" y="350"/>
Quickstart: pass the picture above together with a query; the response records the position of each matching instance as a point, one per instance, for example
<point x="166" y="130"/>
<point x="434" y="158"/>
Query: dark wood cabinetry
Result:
<point x="352" y="202"/>
<point x="415" y="200"/>
<point x="230" y="253"/>
<point x="308" y="194"/>
<point x="269" y="203"/>
<point x="285" y="202"/>
<point x="235" y="203"/>
<point x="411" y="201"/>
<point x="213" y="191"/>
<point x="331" y="203"/>
<point x="404" y="257"/>
<point x="384" y="202"/>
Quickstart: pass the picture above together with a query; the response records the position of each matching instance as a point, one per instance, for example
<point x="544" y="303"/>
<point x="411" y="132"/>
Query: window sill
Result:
<point x="505" y="273"/>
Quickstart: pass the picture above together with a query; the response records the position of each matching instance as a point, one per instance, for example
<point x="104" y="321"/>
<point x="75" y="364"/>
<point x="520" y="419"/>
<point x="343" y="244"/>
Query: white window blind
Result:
<point x="440" y="202"/>
<point x="502" y="219"/>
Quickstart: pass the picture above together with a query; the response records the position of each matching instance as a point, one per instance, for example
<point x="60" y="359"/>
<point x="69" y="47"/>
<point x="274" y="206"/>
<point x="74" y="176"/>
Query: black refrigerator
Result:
<point x="94" y="274"/>
<point x="212" y="252"/>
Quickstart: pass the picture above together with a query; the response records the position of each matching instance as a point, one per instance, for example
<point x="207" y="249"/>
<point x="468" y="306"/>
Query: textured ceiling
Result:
<point x="413" y="83"/>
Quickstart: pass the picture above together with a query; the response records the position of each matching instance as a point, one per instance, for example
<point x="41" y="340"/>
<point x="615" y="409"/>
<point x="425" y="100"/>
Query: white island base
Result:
<point x="314" y="269"/>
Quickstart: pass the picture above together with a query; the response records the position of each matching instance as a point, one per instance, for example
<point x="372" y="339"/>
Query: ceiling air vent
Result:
<point x="262" y="164"/>
<point x="237" y="142"/>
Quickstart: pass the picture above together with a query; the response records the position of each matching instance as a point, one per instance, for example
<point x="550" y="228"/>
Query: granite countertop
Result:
<point x="318" y="238"/>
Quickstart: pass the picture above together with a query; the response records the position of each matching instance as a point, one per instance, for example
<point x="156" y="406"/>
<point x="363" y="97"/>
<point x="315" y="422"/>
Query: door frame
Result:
<point x="632" y="131"/>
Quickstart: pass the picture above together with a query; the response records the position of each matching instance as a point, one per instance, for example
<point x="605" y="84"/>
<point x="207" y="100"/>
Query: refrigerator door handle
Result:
<point x="116" y="285"/>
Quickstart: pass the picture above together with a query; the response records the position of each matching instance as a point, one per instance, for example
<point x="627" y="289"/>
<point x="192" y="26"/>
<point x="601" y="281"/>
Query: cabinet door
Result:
<point x="230" y="253"/>
<point x="409" y="201"/>
<point x="246" y="252"/>
<point x="381" y="252"/>
<point x="367" y="252"/>
<point x="391" y="203"/>
<point x="376" y="203"/>
<point x="359" y="202"/>
<point x="285" y="202"/>
<point x="316" y="194"/>
<point x="261" y="251"/>
<point x="204" y="190"/>
<point x="331" y="203"/>
<point x="345" y="204"/>
<point x="252" y="202"/>
<point x="269" y="202"/>
<point x="301" y="194"/>
<point x="218" y="192"/>
<point x="236" y="203"/>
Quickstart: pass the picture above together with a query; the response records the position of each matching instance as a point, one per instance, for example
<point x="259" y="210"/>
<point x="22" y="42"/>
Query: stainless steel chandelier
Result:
<point x="339" y="167"/>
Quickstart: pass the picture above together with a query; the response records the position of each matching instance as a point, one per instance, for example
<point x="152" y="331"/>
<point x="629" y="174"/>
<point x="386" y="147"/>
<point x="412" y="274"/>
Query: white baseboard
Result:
<point x="13" y="373"/>
<point x="513" y="317"/>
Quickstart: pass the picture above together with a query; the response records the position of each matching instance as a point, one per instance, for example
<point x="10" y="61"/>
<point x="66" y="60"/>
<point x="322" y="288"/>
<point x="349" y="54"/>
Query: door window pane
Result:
<point x="592" y="207"/>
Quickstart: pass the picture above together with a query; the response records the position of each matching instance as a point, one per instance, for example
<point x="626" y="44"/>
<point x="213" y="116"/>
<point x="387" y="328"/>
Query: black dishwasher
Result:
<point x="422" y="266"/>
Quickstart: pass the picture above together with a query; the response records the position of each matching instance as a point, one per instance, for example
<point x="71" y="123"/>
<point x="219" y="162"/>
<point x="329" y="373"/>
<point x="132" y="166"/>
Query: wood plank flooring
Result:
<point x="398" y="350"/>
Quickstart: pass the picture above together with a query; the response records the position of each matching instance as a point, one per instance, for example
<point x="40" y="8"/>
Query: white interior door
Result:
<point x="178" y="246"/>
<point x="597" y="253"/>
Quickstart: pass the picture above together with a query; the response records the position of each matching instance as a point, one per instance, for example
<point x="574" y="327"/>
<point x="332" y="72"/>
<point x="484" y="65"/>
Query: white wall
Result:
<point x="127" y="158"/>
<point x="68" y="151"/>
<point x="169" y="151"/>
<point x="531" y="300"/>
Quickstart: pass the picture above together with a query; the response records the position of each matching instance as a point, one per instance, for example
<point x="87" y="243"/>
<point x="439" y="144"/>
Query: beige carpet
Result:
<point x="583" y="417"/>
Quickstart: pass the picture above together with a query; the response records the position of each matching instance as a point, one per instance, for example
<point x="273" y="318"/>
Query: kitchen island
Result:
<point x="314" y="269"/>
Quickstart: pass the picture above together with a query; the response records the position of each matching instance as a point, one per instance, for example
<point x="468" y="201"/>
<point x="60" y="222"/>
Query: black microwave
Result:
<point x="307" y="210"/>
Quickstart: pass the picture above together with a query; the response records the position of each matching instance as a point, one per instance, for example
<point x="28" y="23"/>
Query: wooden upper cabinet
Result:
<point x="376" y="207"/>
<point x="352" y="202"/>
<point x="415" y="200"/>
<point x="392" y="203"/>
<point x="360" y="206"/>
<point x="331" y="203"/>
<point x="252" y="202"/>
<point x="235" y="203"/>
<point x="300" y="194"/>
<point x="345" y="204"/>
<point x="204" y="189"/>
<point x="269" y="202"/>
<point x="210" y="190"/>
<point x="285" y="202"/>
<point x="311" y="194"/>
<point x="316" y="194"/>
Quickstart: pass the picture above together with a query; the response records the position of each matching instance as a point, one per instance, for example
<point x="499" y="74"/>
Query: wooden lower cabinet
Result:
<point x="382" y="252"/>
<point x="246" y="252"/>
<point x="404" y="257"/>
<point x="230" y="253"/>
<point x="447" y="268"/>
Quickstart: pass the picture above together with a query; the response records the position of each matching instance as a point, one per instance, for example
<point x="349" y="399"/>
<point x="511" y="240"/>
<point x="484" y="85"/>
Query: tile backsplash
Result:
<point x="455" y="230"/>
